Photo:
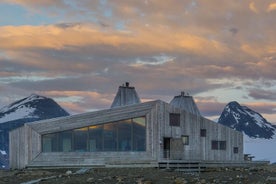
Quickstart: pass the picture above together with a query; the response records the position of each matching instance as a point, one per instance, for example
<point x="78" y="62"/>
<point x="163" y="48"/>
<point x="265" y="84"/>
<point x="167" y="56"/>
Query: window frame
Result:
<point x="185" y="139"/>
<point x="138" y="138"/>
<point x="218" y="145"/>
<point x="203" y="132"/>
<point x="235" y="150"/>
<point x="174" y="119"/>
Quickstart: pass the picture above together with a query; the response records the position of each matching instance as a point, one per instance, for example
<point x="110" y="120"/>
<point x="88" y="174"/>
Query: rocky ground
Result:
<point x="258" y="175"/>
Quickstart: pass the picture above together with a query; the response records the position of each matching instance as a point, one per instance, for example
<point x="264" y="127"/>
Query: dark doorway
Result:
<point x="167" y="142"/>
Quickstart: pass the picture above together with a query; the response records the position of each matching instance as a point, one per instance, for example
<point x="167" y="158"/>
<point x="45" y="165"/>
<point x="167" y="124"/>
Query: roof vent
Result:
<point x="126" y="95"/>
<point x="186" y="102"/>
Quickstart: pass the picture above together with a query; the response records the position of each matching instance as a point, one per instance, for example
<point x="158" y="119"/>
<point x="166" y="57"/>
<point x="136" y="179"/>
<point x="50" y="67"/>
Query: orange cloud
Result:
<point x="271" y="7"/>
<point x="253" y="8"/>
<point x="54" y="37"/>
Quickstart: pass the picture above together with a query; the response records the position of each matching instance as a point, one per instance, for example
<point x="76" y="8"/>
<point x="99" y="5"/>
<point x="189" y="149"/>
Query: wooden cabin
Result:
<point x="141" y="134"/>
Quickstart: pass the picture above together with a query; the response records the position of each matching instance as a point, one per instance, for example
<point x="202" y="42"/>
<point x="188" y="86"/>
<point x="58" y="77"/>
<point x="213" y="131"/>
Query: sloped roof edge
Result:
<point x="92" y="118"/>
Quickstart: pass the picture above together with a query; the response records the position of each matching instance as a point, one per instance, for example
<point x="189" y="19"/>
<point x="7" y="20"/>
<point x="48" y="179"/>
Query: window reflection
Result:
<point x="80" y="139"/>
<point x="124" y="135"/>
<point x="139" y="134"/>
<point x="110" y="140"/>
<point x="96" y="138"/>
<point x="65" y="141"/>
<point x="50" y="143"/>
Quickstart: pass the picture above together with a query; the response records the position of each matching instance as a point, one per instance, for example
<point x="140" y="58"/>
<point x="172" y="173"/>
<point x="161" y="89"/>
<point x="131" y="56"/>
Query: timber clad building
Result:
<point x="130" y="132"/>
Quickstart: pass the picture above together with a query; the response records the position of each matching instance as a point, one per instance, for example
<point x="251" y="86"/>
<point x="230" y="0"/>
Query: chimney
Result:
<point x="126" y="95"/>
<point x="186" y="102"/>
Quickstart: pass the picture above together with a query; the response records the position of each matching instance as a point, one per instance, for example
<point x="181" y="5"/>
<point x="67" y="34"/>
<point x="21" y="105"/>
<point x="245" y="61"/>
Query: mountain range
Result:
<point x="29" y="109"/>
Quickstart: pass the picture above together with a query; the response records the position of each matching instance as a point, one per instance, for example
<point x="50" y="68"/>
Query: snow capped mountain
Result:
<point x="243" y="119"/>
<point x="259" y="135"/>
<point x="32" y="108"/>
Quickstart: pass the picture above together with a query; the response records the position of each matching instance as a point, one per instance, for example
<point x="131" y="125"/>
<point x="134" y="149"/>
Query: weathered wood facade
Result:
<point x="194" y="138"/>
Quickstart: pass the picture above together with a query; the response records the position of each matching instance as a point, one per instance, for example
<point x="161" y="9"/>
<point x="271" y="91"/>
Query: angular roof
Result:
<point x="91" y="118"/>
<point x="126" y="95"/>
<point x="185" y="102"/>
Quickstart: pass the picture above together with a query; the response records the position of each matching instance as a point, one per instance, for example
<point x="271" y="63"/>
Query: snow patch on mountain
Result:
<point x="3" y="152"/>
<point x="21" y="103"/>
<point x="22" y="112"/>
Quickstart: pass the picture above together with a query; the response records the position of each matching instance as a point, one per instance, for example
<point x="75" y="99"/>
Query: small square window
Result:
<point x="236" y="150"/>
<point x="202" y="132"/>
<point x="222" y="145"/>
<point x="174" y="119"/>
<point x="185" y="140"/>
<point x="215" y="145"/>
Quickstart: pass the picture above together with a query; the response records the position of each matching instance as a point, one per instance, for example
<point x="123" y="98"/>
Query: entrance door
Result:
<point x="176" y="149"/>
<point x="167" y="145"/>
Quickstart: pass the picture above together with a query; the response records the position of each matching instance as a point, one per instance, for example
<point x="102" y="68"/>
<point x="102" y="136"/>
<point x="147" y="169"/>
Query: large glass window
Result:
<point x="50" y="143"/>
<point x="95" y="138"/>
<point x="124" y="135"/>
<point x="65" y="141"/>
<point x="110" y="137"/>
<point x="139" y="134"/>
<point x="80" y="139"/>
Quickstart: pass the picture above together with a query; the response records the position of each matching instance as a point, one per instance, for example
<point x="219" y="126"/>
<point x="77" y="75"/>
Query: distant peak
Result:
<point x="34" y="95"/>
<point x="233" y="104"/>
<point x="246" y="120"/>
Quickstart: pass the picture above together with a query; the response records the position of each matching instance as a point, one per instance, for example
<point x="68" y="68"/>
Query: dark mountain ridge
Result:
<point x="29" y="109"/>
<point x="246" y="120"/>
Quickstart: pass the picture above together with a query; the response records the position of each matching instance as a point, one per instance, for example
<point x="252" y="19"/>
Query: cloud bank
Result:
<point x="91" y="47"/>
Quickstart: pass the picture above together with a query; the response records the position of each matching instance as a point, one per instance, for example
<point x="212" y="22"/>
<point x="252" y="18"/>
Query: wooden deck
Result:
<point x="199" y="166"/>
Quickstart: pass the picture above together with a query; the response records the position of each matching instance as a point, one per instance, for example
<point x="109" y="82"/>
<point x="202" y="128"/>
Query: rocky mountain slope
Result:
<point x="259" y="134"/>
<point x="245" y="120"/>
<point x="32" y="108"/>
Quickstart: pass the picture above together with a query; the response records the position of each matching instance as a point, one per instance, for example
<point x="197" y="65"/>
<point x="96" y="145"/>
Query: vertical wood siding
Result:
<point x="25" y="142"/>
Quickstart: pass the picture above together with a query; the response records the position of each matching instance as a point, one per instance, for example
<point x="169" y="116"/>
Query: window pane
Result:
<point x="65" y="141"/>
<point x="215" y="145"/>
<point x="185" y="140"/>
<point x="124" y="135"/>
<point x="139" y="134"/>
<point x="174" y="119"/>
<point x="96" y="138"/>
<point x="222" y="145"/>
<point x="80" y="139"/>
<point x="202" y="132"/>
<point x="50" y="143"/>
<point x="110" y="137"/>
<point x="236" y="150"/>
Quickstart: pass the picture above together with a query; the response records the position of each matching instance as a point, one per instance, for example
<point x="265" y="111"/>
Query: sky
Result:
<point x="79" y="52"/>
